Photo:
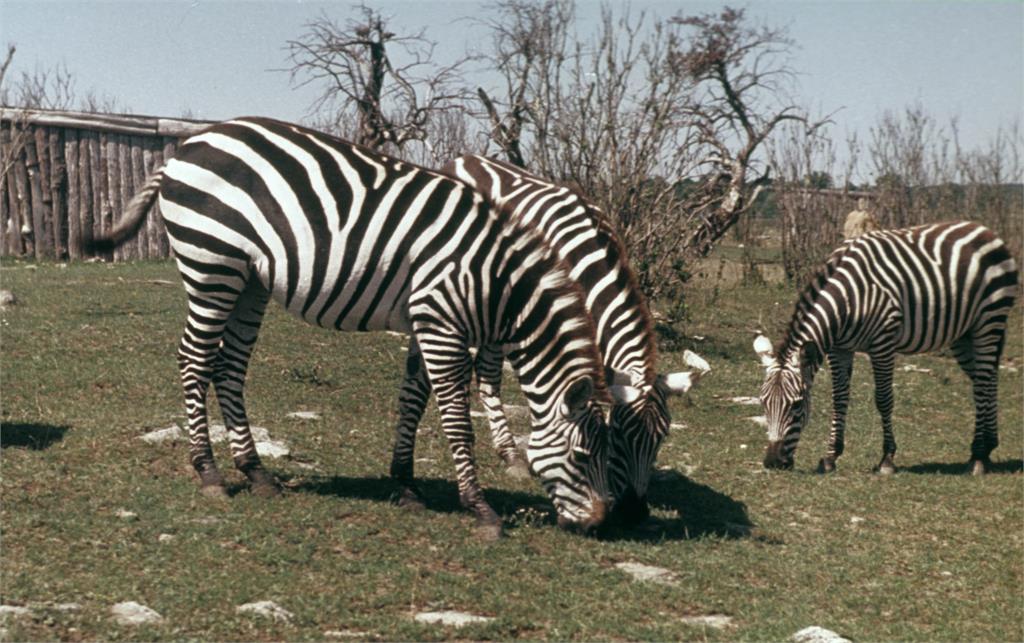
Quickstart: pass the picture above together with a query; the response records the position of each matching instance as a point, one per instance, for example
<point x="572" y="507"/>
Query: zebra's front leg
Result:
<point x="883" y="364"/>
<point x="229" y="380"/>
<point x="449" y="372"/>
<point x="412" y="400"/>
<point x="841" y="365"/>
<point x="488" y="372"/>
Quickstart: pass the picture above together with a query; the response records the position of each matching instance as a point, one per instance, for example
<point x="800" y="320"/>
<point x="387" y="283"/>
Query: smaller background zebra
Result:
<point x="905" y="291"/>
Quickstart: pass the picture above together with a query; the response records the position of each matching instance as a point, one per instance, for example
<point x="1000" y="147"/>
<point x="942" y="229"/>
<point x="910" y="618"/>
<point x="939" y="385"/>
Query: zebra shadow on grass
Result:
<point x="699" y="510"/>
<point x="962" y="468"/>
<point x="30" y="436"/>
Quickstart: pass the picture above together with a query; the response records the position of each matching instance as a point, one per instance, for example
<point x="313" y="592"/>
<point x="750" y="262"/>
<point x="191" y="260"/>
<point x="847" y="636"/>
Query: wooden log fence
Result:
<point x="65" y="177"/>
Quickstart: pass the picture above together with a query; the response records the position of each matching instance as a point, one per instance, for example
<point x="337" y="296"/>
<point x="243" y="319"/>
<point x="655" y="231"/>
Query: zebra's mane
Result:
<point x="607" y="236"/>
<point x="808" y="295"/>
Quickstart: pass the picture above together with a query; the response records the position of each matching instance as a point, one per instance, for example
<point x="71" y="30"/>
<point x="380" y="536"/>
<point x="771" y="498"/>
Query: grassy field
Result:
<point x="88" y="367"/>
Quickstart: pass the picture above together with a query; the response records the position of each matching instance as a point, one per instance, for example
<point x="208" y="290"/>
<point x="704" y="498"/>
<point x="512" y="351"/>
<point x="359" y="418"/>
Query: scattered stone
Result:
<point x="13" y="611"/>
<point x="856" y="520"/>
<point x="132" y="613"/>
<point x="451" y="617"/>
<point x="678" y="426"/>
<point x="760" y="420"/>
<point x="272" y="449"/>
<point x="7" y="298"/>
<point x="304" y="415"/>
<point x="647" y="573"/>
<point x="165" y="538"/>
<point x="914" y="368"/>
<point x="714" y="621"/>
<point x="1008" y="369"/>
<point x="269" y="609"/>
<point x="124" y="514"/>
<point x="745" y="399"/>
<point x="815" y="634"/>
<point x="743" y="446"/>
<point x="170" y="434"/>
<point x="346" y="634"/>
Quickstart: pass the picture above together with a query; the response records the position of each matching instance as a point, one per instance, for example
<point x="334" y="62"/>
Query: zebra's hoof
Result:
<point x="826" y="465"/>
<point x="489" y="532"/>
<point x="409" y="499"/>
<point x="265" y="489"/>
<point x="214" y="491"/>
<point x="979" y="467"/>
<point x="886" y="468"/>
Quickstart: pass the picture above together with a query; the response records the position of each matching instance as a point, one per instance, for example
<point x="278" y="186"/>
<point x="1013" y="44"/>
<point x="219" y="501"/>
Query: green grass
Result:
<point x="88" y="366"/>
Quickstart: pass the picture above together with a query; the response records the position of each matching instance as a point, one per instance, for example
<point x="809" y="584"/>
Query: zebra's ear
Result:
<point x="624" y="394"/>
<point x="763" y="348"/>
<point x="678" y="383"/>
<point x="577" y="395"/>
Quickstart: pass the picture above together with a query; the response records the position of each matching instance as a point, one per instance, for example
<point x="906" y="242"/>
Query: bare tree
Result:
<point x="661" y="122"/>
<point x="394" y="97"/>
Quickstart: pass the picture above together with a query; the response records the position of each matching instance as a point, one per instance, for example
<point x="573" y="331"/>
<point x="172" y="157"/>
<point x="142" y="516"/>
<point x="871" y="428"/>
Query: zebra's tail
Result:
<point x="131" y="218"/>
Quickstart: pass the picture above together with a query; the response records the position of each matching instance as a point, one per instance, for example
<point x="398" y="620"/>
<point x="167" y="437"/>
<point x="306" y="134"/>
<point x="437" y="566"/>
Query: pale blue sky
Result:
<point x="217" y="59"/>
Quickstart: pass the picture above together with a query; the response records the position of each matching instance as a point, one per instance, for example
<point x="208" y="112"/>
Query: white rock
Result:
<point x="760" y="420"/>
<point x="647" y="573"/>
<point x="272" y="449"/>
<point x="745" y="399"/>
<point x="219" y="433"/>
<point x="132" y="613"/>
<point x="678" y="426"/>
<point x="856" y="520"/>
<point x="13" y="611"/>
<point x="914" y="368"/>
<point x="170" y="434"/>
<point x="165" y="538"/>
<point x="451" y="617"/>
<point x="304" y="415"/>
<point x="269" y="609"/>
<point x="815" y="634"/>
<point x="346" y="634"/>
<point x="124" y="514"/>
<point x="716" y="621"/>
<point x="7" y="298"/>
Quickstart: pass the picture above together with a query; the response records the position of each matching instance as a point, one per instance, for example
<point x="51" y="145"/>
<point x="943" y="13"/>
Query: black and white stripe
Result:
<point x="349" y="239"/>
<point x="905" y="291"/>
<point x="582" y="236"/>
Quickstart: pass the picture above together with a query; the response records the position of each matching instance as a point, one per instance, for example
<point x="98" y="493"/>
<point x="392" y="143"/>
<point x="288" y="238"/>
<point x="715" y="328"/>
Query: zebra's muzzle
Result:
<point x="775" y="457"/>
<point x="598" y="513"/>
<point x="630" y="509"/>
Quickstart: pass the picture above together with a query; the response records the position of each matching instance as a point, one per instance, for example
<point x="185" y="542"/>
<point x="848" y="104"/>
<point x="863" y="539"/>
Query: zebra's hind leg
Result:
<point x="230" y="367"/>
<point x="488" y="372"/>
<point x="841" y="365"/>
<point x="978" y="355"/>
<point x="412" y="400"/>
<point x="882" y="364"/>
<point x="208" y="312"/>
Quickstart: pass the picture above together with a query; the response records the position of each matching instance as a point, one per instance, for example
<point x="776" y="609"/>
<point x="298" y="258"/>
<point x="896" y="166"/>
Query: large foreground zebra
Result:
<point x="899" y="291"/>
<point x="583" y="237"/>
<point x="350" y="239"/>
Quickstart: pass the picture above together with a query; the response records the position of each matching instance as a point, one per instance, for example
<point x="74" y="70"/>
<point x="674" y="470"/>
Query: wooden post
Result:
<point x="85" y="187"/>
<point x="113" y="186"/>
<point x="138" y="180"/>
<point x="35" y="192"/>
<point x="5" y="208"/>
<point x="105" y="215"/>
<point x="22" y="189"/>
<point x="58" y="188"/>
<point x="42" y="136"/>
<point x="96" y="166"/>
<point x="130" y="250"/>
<point x="74" y="220"/>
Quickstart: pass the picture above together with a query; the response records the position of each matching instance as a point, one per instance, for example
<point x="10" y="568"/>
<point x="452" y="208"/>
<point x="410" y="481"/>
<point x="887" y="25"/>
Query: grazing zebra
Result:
<point x="583" y="237"/>
<point x="346" y="238"/>
<point x="898" y="291"/>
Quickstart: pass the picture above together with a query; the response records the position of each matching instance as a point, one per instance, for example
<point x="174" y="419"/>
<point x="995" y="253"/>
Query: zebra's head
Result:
<point x="569" y="455"/>
<point x="638" y="424"/>
<point x="786" y="399"/>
